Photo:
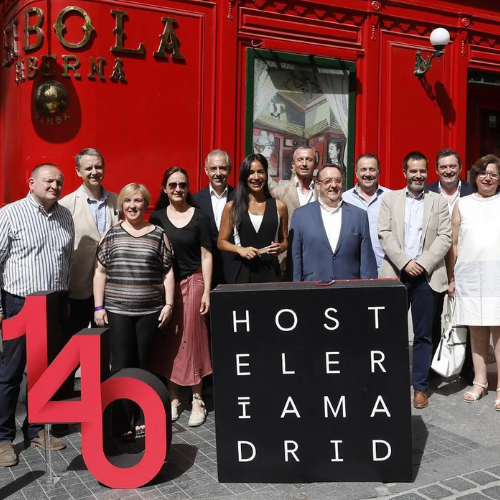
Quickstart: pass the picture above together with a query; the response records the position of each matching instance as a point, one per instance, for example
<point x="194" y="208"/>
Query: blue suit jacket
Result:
<point x="465" y="189"/>
<point x="310" y="257"/>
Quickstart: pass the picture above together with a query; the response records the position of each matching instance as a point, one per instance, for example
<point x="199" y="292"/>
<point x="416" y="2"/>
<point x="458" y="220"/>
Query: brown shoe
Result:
<point x="52" y="444"/>
<point x="8" y="456"/>
<point x="420" y="399"/>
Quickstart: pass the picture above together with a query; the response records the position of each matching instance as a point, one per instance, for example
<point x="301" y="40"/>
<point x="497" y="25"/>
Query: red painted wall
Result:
<point x="173" y="112"/>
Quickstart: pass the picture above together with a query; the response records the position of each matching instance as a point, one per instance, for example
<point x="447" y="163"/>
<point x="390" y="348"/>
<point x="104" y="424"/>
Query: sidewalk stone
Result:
<point x="459" y="484"/>
<point x="472" y="496"/>
<point x="494" y="470"/>
<point x="435" y="492"/>
<point x="480" y="477"/>
<point x="493" y="492"/>
<point x="408" y="496"/>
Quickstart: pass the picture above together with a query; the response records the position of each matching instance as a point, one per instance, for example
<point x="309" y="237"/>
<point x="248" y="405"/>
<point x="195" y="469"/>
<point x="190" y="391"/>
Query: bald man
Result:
<point x="36" y="253"/>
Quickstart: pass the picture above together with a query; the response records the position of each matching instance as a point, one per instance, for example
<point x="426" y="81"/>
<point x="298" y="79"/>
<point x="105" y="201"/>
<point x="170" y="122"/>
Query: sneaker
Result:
<point x="8" y="456"/>
<point x="41" y="441"/>
<point x="198" y="417"/>
<point x="176" y="411"/>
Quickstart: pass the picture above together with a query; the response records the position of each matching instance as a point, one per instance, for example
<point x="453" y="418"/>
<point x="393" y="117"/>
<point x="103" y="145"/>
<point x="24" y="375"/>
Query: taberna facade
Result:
<point x="161" y="84"/>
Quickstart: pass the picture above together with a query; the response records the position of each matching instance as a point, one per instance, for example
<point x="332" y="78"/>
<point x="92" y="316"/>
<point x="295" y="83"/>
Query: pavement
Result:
<point x="456" y="451"/>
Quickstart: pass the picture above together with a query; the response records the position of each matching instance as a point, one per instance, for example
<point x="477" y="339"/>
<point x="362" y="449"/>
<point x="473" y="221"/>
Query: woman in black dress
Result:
<point x="259" y="224"/>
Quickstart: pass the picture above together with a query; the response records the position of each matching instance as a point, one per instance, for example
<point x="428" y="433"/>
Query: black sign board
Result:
<point x="312" y="382"/>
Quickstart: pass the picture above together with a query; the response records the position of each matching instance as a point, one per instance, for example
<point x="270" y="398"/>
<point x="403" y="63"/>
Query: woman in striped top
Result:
<point x="133" y="292"/>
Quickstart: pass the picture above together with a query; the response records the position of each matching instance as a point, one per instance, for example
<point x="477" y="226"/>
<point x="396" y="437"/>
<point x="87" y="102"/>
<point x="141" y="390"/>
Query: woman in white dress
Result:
<point x="474" y="269"/>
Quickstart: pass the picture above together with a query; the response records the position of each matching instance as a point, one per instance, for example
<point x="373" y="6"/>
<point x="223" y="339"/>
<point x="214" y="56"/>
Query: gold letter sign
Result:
<point x="119" y="32"/>
<point x="169" y="40"/>
<point x="33" y="29"/>
<point x="60" y="28"/>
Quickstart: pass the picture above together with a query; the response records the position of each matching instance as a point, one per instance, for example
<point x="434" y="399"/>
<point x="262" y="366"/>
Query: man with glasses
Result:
<point x="212" y="201"/>
<point x="415" y="233"/>
<point x="329" y="239"/>
<point x="367" y="194"/>
<point x="451" y="187"/>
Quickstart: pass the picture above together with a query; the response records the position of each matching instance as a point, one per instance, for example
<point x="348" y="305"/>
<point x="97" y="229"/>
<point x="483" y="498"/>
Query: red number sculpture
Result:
<point x="36" y="321"/>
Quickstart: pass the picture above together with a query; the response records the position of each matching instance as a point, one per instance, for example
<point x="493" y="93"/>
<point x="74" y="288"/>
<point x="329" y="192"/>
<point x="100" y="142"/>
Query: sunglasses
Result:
<point x="174" y="185"/>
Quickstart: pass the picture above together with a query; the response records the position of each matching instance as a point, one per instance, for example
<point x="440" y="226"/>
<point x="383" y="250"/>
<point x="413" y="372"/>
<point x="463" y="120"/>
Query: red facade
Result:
<point x="162" y="84"/>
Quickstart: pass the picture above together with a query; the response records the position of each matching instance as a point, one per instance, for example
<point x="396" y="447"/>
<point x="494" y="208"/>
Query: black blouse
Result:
<point x="186" y="241"/>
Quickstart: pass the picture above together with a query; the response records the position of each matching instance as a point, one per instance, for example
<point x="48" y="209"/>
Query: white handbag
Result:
<point x="450" y="353"/>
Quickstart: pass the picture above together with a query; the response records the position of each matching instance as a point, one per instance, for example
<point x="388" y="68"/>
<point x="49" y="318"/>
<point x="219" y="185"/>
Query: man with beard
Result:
<point x="330" y="239"/>
<point x="451" y="187"/>
<point x="367" y="194"/>
<point x="415" y="234"/>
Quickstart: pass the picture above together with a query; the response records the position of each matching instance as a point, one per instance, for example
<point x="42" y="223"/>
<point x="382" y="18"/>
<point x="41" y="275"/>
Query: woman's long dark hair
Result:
<point x="240" y="203"/>
<point x="162" y="200"/>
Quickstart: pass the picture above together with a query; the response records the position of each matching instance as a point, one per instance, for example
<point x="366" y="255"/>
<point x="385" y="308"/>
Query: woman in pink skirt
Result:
<point x="182" y="353"/>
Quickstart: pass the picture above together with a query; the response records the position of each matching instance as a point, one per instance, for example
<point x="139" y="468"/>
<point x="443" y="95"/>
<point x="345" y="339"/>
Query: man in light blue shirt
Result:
<point x="367" y="194"/>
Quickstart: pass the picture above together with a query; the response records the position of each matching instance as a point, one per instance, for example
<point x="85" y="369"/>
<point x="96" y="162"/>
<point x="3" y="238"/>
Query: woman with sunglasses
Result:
<point x="474" y="270"/>
<point x="259" y="223"/>
<point x="182" y="354"/>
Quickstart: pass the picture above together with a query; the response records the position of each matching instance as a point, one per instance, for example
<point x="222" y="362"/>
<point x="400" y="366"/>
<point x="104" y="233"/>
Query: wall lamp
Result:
<point x="439" y="39"/>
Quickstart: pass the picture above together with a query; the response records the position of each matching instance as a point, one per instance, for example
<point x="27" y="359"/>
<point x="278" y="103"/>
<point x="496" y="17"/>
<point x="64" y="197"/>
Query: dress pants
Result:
<point x="422" y="299"/>
<point x="12" y="368"/>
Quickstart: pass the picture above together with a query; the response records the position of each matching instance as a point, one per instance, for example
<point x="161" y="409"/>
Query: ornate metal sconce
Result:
<point x="439" y="38"/>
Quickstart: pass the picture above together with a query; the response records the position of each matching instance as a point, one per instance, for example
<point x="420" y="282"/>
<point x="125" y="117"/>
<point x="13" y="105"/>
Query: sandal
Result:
<point x="198" y="417"/>
<point x="473" y="397"/>
<point x="497" y="401"/>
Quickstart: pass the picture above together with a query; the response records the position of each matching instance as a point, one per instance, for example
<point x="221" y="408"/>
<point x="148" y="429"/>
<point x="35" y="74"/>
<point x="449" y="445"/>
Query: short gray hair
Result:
<point x="220" y="152"/>
<point x="88" y="152"/>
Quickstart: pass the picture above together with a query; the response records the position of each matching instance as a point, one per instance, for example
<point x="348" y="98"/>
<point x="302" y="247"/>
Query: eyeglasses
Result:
<point x="329" y="182"/>
<point x="181" y="185"/>
<point x="483" y="175"/>
<point x="213" y="170"/>
<point x="445" y="167"/>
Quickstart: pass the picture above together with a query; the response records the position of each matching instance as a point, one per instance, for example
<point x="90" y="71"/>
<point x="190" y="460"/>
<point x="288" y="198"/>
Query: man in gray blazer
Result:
<point x="94" y="210"/>
<point x="415" y="234"/>
<point x="300" y="190"/>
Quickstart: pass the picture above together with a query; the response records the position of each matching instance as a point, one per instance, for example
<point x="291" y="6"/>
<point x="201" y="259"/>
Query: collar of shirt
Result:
<point x="377" y="192"/>
<point x="39" y="207"/>
<point x="458" y="187"/>
<point x="104" y="196"/>
<point x="412" y="196"/>
<point x="299" y="185"/>
<point x="213" y="192"/>
<point x="328" y="209"/>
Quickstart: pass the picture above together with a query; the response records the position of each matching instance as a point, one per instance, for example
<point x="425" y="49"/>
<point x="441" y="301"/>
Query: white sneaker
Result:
<point x="198" y="417"/>
<point x="176" y="411"/>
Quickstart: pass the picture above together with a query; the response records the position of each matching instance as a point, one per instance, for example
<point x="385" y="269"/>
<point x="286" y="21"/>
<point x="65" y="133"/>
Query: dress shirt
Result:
<point x="304" y="199"/>
<point x="218" y="204"/>
<point x="36" y="248"/>
<point x="414" y="218"/>
<point x="99" y="211"/>
<point x="451" y="203"/>
<point x="372" y="208"/>
<point x="332" y="221"/>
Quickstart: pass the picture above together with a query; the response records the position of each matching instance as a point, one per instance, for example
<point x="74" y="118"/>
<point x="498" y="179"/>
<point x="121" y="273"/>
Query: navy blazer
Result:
<point x="310" y="257"/>
<point x="222" y="261"/>
<point x="465" y="189"/>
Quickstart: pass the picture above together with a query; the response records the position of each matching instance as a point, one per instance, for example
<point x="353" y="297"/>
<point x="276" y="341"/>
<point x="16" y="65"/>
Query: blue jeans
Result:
<point x="12" y="370"/>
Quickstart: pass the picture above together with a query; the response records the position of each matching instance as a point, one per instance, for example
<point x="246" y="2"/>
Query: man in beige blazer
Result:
<point x="299" y="191"/>
<point x="94" y="210"/>
<point x="415" y="234"/>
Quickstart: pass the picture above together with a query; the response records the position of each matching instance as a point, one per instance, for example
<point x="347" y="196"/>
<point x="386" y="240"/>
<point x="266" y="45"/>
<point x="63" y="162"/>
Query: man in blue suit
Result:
<point x="330" y="239"/>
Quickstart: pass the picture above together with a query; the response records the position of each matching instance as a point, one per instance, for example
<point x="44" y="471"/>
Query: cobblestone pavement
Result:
<point x="456" y="455"/>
